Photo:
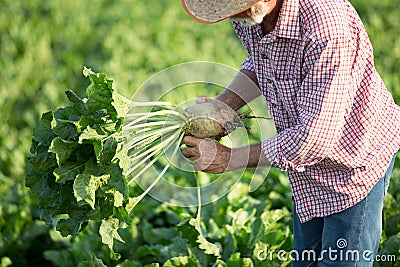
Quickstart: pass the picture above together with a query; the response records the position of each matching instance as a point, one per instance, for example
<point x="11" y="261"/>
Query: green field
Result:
<point x="44" y="46"/>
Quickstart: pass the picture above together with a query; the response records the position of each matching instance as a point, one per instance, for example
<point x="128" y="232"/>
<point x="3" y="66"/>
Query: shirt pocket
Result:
<point x="287" y="92"/>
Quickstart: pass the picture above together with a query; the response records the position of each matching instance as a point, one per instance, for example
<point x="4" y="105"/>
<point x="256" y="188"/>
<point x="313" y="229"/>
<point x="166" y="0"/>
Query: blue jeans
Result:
<point x="347" y="238"/>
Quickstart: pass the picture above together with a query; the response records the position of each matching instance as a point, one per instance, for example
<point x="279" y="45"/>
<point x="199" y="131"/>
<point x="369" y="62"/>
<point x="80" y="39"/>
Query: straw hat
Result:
<point x="210" y="11"/>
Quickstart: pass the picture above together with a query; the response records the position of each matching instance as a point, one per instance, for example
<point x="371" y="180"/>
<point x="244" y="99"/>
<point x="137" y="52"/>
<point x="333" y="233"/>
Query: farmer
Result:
<point x="338" y="128"/>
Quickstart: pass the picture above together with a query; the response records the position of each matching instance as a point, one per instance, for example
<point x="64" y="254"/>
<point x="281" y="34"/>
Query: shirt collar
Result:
<point x="288" y="24"/>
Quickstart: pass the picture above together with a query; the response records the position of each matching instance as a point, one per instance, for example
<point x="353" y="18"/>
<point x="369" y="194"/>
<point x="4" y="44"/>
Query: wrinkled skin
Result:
<point x="207" y="155"/>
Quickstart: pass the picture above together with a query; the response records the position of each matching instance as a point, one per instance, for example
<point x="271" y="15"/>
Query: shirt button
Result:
<point x="264" y="55"/>
<point x="300" y="169"/>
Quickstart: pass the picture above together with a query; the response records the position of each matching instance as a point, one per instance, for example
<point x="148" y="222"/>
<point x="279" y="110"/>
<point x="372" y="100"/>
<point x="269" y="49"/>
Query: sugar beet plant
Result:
<point x="85" y="156"/>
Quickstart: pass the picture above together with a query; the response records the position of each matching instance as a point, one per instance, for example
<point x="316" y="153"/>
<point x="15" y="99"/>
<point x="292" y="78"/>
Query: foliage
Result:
<point x="43" y="48"/>
<point x="75" y="171"/>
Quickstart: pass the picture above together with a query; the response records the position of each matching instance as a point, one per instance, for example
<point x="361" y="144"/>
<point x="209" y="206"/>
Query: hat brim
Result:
<point x="212" y="11"/>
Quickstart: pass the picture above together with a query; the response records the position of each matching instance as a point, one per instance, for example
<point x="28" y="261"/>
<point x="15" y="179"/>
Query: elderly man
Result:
<point x="338" y="128"/>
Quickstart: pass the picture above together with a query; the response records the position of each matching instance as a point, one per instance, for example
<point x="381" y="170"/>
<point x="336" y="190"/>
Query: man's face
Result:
<point x="254" y="15"/>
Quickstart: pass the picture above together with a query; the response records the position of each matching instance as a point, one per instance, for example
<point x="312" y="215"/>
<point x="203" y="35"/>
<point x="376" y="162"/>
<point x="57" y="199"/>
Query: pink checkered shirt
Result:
<point x="337" y="125"/>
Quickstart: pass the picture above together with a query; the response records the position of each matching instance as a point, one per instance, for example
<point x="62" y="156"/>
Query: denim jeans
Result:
<point x="347" y="238"/>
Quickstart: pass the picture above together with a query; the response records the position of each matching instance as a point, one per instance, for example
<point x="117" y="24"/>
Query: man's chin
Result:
<point x="245" y="22"/>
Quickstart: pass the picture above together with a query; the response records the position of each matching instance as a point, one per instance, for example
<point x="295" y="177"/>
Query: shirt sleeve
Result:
<point x="248" y="64"/>
<point x="323" y="100"/>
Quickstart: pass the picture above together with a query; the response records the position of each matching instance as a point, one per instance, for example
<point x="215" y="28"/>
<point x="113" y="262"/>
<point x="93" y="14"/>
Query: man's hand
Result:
<point x="207" y="155"/>
<point x="210" y="156"/>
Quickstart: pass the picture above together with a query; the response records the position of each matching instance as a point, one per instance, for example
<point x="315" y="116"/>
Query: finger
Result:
<point x="191" y="153"/>
<point x="204" y="99"/>
<point x="201" y="99"/>
<point x="190" y="141"/>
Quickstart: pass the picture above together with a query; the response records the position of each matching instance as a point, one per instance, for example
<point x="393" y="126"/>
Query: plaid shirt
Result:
<point x="337" y="125"/>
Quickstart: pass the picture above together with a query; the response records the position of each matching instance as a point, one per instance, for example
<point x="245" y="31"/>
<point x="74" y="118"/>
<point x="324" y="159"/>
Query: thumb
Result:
<point x="201" y="99"/>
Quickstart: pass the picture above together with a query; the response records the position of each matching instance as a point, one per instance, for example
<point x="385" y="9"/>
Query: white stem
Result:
<point x="144" y="115"/>
<point x="141" y="196"/>
<point x="132" y="125"/>
<point x="198" y="202"/>
<point x="149" y="133"/>
<point x="167" y="143"/>
<point x="149" y="104"/>
<point x="177" y="145"/>
<point x="145" y="151"/>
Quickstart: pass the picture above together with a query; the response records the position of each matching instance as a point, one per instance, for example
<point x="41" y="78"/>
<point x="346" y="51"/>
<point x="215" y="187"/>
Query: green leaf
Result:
<point x="117" y="179"/>
<point x="240" y="192"/>
<point x="228" y="246"/>
<point x="77" y="102"/>
<point x="68" y="227"/>
<point x="85" y="186"/>
<point x="59" y="257"/>
<point x="75" y="172"/>
<point x="123" y="161"/>
<point x="32" y="180"/>
<point x="67" y="114"/>
<point x="257" y="232"/>
<point x="236" y="261"/>
<point x="109" y="231"/>
<point x="43" y="162"/>
<point x="104" y="208"/>
<point x="108" y="151"/>
<point x="49" y="196"/>
<point x="86" y="121"/>
<point x="243" y="219"/>
<point x="68" y="171"/>
<point x="84" y="153"/>
<point x="121" y="104"/>
<point x="392" y="245"/>
<point x="270" y="218"/>
<point x="208" y="247"/>
<point x="129" y="263"/>
<point x="132" y="202"/>
<point x="90" y="136"/>
<point x="157" y="235"/>
<point x="65" y="123"/>
<point x="94" y="262"/>
<point x="118" y="199"/>
<point x="66" y="130"/>
<point x="188" y="232"/>
<point x="100" y="93"/>
<point x="182" y="261"/>
<point x="42" y="132"/>
<point x="5" y="262"/>
<point x="62" y="148"/>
